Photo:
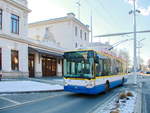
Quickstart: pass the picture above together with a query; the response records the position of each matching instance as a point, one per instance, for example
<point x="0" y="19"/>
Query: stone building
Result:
<point x="66" y="33"/>
<point x="13" y="32"/>
<point x="41" y="52"/>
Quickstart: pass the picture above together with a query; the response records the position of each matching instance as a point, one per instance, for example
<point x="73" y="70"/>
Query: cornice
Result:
<point x="57" y="20"/>
<point x="20" y="40"/>
<point x="14" y="3"/>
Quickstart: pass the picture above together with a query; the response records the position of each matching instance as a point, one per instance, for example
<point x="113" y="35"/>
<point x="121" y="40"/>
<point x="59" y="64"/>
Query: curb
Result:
<point x="44" y="81"/>
<point x="20" y="92"/>
<point x="138" y="105"/>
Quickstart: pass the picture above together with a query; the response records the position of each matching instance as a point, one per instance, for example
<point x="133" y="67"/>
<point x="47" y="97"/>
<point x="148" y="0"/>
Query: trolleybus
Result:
<point x="90" y="72"/>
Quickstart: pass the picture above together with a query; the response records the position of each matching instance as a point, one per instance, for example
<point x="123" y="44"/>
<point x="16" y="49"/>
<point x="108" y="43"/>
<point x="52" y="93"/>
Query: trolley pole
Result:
<point x="135" y="45"/>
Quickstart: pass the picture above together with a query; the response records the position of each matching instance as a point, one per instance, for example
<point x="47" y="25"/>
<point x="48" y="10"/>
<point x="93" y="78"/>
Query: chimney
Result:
<point x="72" y="15"/>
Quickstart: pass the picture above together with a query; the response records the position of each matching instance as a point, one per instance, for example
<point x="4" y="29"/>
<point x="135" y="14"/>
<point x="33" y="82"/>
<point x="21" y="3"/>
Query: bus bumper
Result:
<point x="84" y="90"/>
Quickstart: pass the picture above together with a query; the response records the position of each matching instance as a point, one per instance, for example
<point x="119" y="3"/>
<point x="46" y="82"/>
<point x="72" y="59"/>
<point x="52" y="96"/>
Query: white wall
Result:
<point x="81" y="42"/>
<point x="63" y="33"/>
<point x="9" y="9"/>
<point x="7" y="46"/>
<point x="38" y="65"/>
<point x="59" y="68"/>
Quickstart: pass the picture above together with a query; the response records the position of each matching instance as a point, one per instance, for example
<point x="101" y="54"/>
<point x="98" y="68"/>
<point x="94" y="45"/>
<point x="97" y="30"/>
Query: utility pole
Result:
<point x="91" y="27"/>
<point x="78" y="3"/>
<point x="135" y="44"/>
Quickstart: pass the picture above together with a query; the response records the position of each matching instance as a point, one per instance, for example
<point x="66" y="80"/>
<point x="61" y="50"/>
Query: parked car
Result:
<point x="148" y="72"/>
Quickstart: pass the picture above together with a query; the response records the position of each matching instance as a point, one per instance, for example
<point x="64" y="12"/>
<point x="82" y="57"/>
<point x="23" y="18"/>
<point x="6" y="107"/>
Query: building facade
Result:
<point x="39" y="53"/>
<point x="13" y="29"/>
<point x="64" y="34"/>
<point x="67" y="32"/>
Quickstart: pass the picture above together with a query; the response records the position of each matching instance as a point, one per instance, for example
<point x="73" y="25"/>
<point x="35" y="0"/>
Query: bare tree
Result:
<point x="125" y="55"/>
<point x="148" y="63"/>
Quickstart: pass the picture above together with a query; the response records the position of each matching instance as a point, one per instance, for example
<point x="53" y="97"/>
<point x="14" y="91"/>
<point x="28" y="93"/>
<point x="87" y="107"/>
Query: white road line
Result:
<point x="7" y="99"/>
<point x="103" y="103"/>
<point x="37" y="100"/>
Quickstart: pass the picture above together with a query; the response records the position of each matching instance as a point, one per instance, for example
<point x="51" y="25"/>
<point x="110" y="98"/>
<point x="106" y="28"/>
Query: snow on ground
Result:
<point x="122" y="105"/>
<point x="26" y="86"/>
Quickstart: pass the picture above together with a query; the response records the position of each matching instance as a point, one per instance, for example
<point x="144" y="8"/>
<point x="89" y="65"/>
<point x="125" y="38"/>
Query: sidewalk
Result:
<point x="49" y="80"/>
<point x="127" y="105"/>
<point x="146" y="94"/>
<point x="28" y="85"/>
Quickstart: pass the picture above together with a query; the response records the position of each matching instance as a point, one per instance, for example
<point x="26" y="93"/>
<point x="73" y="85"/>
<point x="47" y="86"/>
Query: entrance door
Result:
<point x="49" y="66"/>
<point x="31" y="65"/>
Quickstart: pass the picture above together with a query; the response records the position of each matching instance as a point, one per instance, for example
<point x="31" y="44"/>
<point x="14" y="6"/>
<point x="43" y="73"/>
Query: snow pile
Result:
<point x="127" y="106"/>
<point x="117" y="105"/>
<point x="27" y="86"/>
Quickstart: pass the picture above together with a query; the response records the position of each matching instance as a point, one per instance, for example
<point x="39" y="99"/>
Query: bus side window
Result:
<point x="106" y="67"/>
<point x="98" y="68"/>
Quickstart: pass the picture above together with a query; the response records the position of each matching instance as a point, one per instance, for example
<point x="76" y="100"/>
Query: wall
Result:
<point x="63" y="34"/>
<point x="81" y="42"/>
<point x="9" y="9"/>
<point x="7" y="46"/>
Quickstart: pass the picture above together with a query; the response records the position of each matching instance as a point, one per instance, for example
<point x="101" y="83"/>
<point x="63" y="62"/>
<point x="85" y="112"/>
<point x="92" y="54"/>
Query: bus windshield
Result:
<point x="78" y="64"/>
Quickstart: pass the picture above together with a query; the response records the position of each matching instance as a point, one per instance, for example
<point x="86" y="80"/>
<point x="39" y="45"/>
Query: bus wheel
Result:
<point x="122" y="81"/>
<point x="107" y="88"/>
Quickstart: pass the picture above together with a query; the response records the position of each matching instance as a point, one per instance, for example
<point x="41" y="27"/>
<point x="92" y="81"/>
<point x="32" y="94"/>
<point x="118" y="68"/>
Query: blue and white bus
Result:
<point x="90" y="72"/>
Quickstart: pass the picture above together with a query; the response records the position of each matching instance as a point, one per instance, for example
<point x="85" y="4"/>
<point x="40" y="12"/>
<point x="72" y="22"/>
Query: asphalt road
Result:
<point x="56" y="102"/>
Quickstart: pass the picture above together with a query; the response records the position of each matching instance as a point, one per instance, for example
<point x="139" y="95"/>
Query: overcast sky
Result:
<point x="109" y="16"/>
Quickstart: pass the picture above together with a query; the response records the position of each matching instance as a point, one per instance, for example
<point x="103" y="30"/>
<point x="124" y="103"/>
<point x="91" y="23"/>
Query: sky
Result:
<point x="109" y="16"/>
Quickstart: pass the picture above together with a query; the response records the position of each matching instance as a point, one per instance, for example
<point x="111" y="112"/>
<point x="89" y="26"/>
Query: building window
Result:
<point x="1" y="18"/>
<point x="81" y="34"/>
<point x="0" y="59"/>
<point x="15" y="24"/>
<point x="14" y="60"/>
<point x="85" y="35"/>
<point x="76" y="31"/>
<point x="76" y="45"/>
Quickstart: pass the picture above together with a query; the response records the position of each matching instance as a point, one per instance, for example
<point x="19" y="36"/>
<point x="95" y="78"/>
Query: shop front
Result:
<point x="43" y="63"/>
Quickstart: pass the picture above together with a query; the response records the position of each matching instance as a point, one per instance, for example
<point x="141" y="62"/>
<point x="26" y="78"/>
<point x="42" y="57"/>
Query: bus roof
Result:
<point x="102" y="54"/>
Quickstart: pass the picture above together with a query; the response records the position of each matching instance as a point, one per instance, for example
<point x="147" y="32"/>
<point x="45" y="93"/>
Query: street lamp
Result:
<point x="135" y="45"/>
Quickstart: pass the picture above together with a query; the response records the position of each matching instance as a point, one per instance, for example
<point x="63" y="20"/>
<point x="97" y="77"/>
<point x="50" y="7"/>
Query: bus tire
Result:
<point x="107" y="87"/>
<point x="122" y="83"/>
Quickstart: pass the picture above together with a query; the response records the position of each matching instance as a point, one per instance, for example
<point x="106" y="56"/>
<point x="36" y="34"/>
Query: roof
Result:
<point x="46" y="52"/>
<point x="58" y="20"/>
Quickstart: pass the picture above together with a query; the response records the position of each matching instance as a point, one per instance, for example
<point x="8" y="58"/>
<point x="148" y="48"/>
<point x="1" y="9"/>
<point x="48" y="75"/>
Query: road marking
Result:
<point x="37" y="100"/>
<point x="107" y="99"/>
<point x="7" y="99"/>
<point x="145" y="105"/>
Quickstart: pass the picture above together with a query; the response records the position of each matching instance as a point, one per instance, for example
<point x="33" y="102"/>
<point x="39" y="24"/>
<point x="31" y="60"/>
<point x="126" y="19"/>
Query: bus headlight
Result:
<point x="65" y="83"/>
<point x="90" y="84"/>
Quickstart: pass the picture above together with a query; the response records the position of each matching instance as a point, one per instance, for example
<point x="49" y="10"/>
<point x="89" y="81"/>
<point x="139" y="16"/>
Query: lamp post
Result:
<point x="135" y="55"/>
<point x="135" y="40"/>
